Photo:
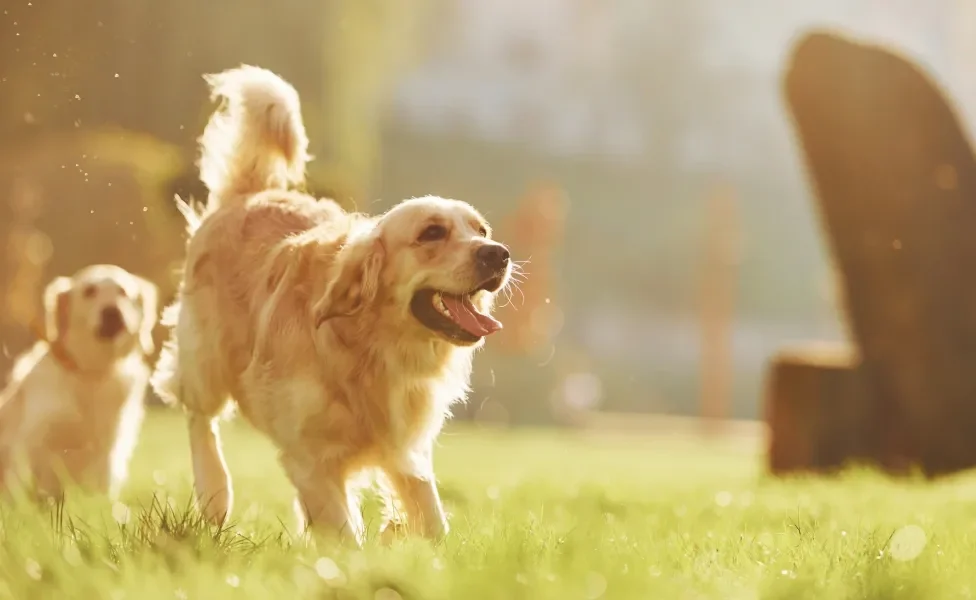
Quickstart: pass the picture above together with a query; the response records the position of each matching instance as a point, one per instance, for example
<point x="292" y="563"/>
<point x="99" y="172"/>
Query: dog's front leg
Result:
<point x="323" y="506"/>
<point x="413" y="481"/>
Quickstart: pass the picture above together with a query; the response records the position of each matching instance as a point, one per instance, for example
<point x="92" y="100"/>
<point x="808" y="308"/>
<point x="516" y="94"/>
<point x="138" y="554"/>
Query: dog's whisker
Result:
<point x="513" y="287"/>
<point x="521" y="293"/>
<point x="508" y="297"/>
<point x="509" y="290"/>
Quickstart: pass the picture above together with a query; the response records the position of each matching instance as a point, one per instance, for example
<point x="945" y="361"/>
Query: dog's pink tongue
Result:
<point x="465" y="315"/>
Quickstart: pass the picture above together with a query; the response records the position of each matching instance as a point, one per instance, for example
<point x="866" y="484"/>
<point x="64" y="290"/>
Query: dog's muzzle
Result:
<point x="491" y="260"/>
<point x="111" y="323"/>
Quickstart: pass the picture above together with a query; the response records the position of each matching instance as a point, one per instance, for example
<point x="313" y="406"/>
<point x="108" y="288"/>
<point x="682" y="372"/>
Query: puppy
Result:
<point x="343" y="338"/>
<point x="74" y="406"/>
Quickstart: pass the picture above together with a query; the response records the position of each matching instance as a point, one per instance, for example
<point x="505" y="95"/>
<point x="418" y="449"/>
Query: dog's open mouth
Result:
<point x="454" y="316"/>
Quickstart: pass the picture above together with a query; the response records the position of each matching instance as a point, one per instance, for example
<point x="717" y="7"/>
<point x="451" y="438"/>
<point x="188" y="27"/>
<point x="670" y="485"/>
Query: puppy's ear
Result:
<point x="148" y="300"/>
<point x="356" y="281"/>
<point x="57" y="307"/>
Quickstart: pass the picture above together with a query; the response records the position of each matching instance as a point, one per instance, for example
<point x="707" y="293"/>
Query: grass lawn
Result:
<point x="535" y="515"/>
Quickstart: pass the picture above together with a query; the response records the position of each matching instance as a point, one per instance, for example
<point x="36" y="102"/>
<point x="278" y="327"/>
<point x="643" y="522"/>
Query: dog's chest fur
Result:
<point x="418" y="397"/>
<point x="78" y="414"/>
<point x="376" y="410"/>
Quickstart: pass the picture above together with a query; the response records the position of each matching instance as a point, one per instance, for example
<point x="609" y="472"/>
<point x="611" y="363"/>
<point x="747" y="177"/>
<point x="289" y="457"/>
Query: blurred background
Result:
<point x="636" y="153"/>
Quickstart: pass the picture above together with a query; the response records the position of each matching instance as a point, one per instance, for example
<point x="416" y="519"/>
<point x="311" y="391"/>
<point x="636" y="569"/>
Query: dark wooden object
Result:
<point x="816" y="410"/>
<point x="895" y="182"/>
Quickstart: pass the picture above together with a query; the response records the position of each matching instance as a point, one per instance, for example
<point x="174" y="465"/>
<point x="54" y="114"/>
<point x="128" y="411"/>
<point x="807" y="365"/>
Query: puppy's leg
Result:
<point x="6" y="468"/>
<point x="9" y="417"/>
<point x="323" y="504"/>
<point x="47" y="476"/>
<point x="127" y="436"/>
<point x="188" y="372"/>
<point x="413" y="481"/>
<point x="18" y="462"/>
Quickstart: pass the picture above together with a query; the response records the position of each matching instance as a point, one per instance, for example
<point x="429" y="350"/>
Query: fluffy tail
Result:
<point x="192" y="212"/>
<point x="255" y="140"/>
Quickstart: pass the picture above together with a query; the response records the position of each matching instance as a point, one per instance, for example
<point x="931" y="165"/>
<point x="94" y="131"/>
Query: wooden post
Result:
<point x="817" y="411"/>
<point x="717" y="306"/>
<point x="895" y="183"/>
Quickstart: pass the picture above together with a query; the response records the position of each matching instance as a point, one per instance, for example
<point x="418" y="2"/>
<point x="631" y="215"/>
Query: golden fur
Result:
<point x="74" y="405"/>
<point x="299" y="313"/>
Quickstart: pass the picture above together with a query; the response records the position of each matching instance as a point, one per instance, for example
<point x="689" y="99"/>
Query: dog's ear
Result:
<point x="148" y="300"/>
<point x="355" y="283"/>
<point x="57" y="307"/>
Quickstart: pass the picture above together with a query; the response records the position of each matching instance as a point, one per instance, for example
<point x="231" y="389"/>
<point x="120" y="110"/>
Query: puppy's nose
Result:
<point x="492" y="257"/>
<point x="111" y="322"/>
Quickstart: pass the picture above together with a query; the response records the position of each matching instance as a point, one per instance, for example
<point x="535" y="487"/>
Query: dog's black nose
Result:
<point x="111" y="322"/>
<point x="493" y="257"/>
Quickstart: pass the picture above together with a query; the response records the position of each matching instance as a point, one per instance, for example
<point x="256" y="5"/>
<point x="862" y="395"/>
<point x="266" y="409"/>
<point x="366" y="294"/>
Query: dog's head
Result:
<point x="101" y="313"/>
<point x="429" y="265"/>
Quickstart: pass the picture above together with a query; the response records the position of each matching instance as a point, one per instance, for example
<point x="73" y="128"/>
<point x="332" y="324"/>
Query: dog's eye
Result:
<point x="88" y="291"/>
<point x="433" y="233"/>
<point x="482" y="231"/>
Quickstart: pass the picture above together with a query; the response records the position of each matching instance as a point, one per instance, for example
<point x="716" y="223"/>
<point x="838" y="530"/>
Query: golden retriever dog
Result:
<point x="343" y="338"/>
<point x="72" y="411"/>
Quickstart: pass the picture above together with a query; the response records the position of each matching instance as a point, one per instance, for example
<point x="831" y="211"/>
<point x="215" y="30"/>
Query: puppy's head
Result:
<point x="102" y="311"/>
<point x="428" y="267"/>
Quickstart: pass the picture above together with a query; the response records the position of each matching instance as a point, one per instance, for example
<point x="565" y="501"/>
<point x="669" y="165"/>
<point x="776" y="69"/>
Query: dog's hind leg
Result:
<point x="188" y="373"/>
<point x="211" y="478"/>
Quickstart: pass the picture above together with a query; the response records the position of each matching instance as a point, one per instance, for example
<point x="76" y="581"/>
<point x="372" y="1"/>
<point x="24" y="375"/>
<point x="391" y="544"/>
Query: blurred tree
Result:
<point x="535" y="231"/>
<point x="367" y="45"/>
<point x="103" y="101"/>
<point x="661" y="50"/>
<point x="138" y="64"/>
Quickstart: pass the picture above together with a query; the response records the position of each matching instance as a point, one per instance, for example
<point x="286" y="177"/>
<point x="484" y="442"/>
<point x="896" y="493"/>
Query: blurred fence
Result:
<point x="634" y="110"/>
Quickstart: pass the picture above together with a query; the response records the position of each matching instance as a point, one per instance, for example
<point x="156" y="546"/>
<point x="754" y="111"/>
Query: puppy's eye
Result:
<point x="433" y="233"/>
<point x="88" y="291"/>
<point x="482" y="231"/>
